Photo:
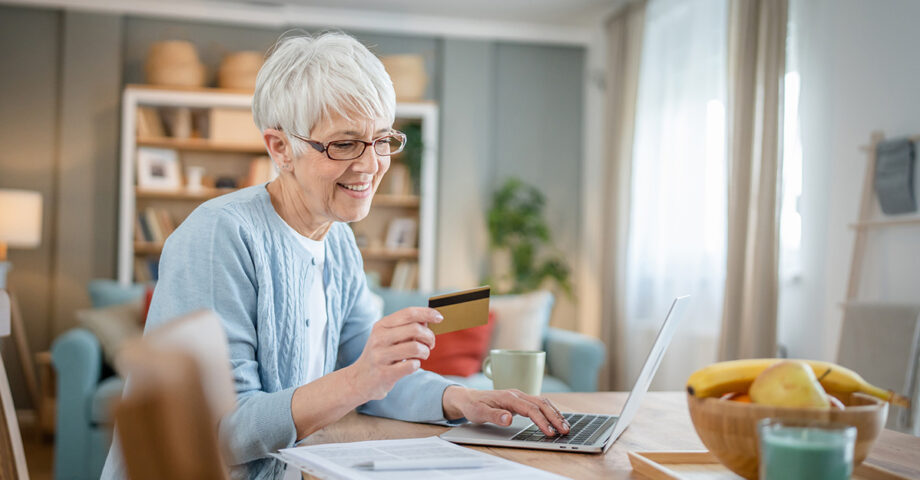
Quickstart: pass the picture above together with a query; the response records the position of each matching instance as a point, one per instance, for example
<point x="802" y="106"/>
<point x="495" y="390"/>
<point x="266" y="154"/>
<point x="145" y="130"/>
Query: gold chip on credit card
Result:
<point x="466" y="309"/>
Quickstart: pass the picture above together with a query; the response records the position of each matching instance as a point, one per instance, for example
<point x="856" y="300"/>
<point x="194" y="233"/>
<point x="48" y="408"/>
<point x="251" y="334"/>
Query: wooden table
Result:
<point x="663" y="423"/>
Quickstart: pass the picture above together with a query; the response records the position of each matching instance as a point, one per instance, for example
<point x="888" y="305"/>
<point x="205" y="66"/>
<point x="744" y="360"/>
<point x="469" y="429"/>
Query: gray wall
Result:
<point x="506" y="109"/>
<point x="467" y="161"/>
<point x="87" y="190"/>
<point x="29" y="50"/>
<point x="59" y="97"/>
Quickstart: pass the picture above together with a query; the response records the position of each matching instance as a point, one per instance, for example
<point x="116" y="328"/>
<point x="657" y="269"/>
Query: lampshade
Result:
<point x="20" y="218"/>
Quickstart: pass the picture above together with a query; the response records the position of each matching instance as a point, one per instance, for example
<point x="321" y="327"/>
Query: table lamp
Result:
<point x="20" y="227"/>
<point x="20" y="224"/>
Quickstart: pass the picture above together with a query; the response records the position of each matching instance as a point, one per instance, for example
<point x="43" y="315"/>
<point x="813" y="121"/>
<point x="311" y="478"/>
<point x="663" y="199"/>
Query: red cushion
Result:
<point x="148" y="297"/>
<point x="460" y="353"/>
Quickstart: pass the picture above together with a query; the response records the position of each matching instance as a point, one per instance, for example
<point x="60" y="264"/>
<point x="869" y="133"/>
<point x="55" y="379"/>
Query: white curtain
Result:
<point x="677" y="234"/>
<point x="624" y="50"/>
<point x="756" y="67"/>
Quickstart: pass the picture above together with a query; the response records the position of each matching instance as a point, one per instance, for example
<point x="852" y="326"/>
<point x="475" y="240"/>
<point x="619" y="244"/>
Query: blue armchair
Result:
<point x="84" y="424"/>
<point x="85" y="391"/>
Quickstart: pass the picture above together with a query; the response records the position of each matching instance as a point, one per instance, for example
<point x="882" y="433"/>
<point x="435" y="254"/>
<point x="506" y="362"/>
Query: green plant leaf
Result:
<point x="411" y="155"/>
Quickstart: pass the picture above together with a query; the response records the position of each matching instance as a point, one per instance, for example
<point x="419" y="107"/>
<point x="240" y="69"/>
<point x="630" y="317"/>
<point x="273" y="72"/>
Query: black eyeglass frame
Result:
<point x="324" y="148"/>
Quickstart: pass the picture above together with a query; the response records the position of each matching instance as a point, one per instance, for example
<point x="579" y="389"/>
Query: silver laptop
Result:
<point x="589" y="432"/>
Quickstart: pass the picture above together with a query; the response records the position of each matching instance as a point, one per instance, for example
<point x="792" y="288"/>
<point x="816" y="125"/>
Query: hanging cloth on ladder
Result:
<point x="894" y="176"/>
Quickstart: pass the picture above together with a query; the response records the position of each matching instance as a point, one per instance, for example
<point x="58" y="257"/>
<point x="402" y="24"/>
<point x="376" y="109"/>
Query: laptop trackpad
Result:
<point x="487" y="431"/>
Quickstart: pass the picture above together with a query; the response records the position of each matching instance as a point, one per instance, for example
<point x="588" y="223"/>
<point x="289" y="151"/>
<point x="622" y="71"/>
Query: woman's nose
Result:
<point x="367" y="162"/>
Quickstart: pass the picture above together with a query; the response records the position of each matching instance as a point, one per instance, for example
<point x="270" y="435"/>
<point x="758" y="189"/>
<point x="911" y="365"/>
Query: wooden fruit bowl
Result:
<point x="729" y="428"/>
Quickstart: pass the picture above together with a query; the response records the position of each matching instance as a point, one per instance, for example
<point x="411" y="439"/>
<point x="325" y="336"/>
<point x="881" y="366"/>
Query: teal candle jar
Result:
<point x="792" y="450"/>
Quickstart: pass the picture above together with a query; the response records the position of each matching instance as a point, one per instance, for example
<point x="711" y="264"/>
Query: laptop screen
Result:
<point x="665" y="334"/>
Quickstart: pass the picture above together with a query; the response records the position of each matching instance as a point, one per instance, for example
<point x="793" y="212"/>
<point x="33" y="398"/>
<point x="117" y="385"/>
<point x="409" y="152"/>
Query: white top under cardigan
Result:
<point x="316" y="307"/>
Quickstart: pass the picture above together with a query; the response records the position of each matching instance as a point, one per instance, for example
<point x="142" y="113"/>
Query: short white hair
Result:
<point x="307" y="78"/>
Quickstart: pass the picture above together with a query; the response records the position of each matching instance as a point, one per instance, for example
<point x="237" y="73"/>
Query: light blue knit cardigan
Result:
<point x="234" y="255"/>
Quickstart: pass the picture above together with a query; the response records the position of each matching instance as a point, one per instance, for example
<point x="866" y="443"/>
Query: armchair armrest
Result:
<point x="77" y="359"/>
<point x="574" y="358"/>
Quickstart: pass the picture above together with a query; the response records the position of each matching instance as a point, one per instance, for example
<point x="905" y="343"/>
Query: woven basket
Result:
<point x="239" y="70"/>
<point x="408" y="75"/>
<point x="174" y="63"/>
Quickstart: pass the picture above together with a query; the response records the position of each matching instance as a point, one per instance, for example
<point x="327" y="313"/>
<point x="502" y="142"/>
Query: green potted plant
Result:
<point x="518" y="238"/>
<point x="412" y="154"/>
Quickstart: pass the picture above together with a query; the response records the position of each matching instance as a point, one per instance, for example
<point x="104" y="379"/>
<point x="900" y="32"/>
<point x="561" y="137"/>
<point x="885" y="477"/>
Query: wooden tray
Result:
<point x="700" y="464"/>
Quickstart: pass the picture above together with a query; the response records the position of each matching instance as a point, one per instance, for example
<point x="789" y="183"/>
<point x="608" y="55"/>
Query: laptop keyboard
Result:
<point x="584" y="430"/>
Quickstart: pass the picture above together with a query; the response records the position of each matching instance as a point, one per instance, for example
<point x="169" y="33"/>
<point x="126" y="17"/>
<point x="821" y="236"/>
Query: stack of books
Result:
<point x="146" y="269"/>
<point x="153" y="225"/>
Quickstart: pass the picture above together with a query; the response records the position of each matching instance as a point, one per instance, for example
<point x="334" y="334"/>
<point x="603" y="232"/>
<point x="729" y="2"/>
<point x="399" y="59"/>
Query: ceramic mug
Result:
<point x="520" y="369"/>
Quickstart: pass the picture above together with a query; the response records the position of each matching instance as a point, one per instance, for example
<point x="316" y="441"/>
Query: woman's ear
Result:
<point x="279" y="149"/>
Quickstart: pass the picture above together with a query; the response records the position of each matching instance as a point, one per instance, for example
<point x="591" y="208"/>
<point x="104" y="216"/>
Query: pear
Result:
<point x="789" y="383"/>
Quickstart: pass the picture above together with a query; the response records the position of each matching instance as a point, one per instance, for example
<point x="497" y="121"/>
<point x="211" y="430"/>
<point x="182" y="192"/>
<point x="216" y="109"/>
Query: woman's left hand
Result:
<point x="498" y="406"/>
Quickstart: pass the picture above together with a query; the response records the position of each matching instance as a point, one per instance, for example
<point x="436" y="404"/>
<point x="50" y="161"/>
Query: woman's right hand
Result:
<point x="395" y="348"/>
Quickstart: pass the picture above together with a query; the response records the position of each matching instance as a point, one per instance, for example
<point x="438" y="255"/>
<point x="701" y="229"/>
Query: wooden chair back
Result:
<point x="164" y="422"/>
<point x="12" y="454"/>
<point x="179" y="386"/>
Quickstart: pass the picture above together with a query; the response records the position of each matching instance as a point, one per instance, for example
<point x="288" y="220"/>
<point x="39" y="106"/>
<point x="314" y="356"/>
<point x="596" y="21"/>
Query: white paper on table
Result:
<point x="333" y="461"/>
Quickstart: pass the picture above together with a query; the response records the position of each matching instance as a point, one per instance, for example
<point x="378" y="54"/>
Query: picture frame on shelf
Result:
<point x="401" y="233"/>
<point x="158" y="169"/>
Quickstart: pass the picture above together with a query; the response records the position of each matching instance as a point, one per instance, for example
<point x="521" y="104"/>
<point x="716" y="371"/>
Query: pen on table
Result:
<point x="421" y="464"/>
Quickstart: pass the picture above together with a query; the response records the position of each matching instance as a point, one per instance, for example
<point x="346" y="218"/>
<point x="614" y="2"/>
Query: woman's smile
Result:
<point x="356" y="190"/>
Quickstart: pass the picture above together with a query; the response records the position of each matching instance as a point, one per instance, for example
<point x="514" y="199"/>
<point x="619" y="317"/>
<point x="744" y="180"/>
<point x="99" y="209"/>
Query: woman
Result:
<point x="280" y="266"/>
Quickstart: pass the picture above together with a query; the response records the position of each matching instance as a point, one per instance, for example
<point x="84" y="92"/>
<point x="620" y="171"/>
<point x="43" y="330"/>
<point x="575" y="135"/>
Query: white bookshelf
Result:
<point x="424" y="205"/>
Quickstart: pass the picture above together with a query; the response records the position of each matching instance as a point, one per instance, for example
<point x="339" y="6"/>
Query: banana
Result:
<point x="737" y="375"/>
<point x="725" y="377"/>
<point x="841" y="381"/>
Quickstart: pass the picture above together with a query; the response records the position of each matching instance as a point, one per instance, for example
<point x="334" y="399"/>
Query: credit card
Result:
<point x="466" y="309"/>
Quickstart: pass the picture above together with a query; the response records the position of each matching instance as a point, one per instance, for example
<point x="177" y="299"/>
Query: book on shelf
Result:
<point x="261" y="170"/>
<point x="146" y="269"/>
<point x="141" y="271"/>
<point x="149" y="123"/>
<point x="167" y="225"/>
<point x="144" y="228"/>
<point x="153" y="263"/>
<point x="153" y="225"/>
<point x="405" y="274"/>
<point x="139" y="234"/>
<point x="182" y="123"/>
<point x="177" y="121"/>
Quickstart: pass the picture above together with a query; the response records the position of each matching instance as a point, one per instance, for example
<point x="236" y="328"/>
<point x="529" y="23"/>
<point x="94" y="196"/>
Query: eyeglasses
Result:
<point x="351" y="149"/>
